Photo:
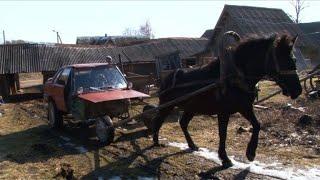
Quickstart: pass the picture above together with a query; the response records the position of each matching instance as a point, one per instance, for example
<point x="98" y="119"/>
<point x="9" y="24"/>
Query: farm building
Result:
<point x="312" y="31"/>
<point x="137" y="59"/>
<point x="251" y="22"/>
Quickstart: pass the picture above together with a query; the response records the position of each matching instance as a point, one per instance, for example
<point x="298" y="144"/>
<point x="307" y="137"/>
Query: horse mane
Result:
<point x="260" y="45"/>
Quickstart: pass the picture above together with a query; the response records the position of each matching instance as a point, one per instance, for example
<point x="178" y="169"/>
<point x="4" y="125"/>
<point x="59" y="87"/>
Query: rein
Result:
<point x="278" y="72"/>
<point x="184" y="85"/>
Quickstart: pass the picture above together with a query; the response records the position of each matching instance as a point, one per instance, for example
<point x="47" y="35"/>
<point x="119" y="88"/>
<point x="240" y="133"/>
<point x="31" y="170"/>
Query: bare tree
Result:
<point x="145" y="30"/>
<point x="130" y="32"/>
<point x="299" y="6"/>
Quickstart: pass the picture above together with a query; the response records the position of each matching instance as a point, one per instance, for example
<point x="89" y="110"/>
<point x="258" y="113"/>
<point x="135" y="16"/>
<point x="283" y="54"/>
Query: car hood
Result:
<point x="111" y="95"/>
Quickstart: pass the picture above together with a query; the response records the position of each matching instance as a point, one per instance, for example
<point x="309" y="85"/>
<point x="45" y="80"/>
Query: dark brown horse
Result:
<point x="257" y="59"/>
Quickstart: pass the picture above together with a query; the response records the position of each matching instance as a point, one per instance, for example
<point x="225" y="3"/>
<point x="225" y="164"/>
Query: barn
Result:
<point x="250" y="22"/>
<point x="138" y="59"/>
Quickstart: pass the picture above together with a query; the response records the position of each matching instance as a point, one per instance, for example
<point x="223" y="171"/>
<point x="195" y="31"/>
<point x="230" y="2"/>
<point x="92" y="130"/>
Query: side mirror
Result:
<point x="130" y="85"/>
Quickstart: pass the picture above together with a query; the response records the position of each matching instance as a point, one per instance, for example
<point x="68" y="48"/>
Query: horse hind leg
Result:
<point x="253" y="144"/>
<point x="184" y="122"/>
<point x="157" y="123"/>
<point x="223" y="121"/>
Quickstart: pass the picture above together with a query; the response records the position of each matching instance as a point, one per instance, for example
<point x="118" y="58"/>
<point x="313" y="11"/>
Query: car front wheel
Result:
<point x="54" y="116"/>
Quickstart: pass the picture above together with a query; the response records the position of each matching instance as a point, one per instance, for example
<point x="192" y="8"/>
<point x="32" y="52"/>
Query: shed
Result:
<point x="251" y="22"/>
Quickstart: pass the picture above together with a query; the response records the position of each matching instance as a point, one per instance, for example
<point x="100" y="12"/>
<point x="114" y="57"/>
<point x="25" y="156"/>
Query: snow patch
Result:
<point x="274" y="170"/>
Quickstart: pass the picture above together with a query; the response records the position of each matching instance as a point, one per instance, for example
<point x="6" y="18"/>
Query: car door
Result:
<point x="58" y="89"/>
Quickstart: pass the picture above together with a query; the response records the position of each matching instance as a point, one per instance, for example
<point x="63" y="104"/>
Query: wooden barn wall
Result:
<point x="145" y="68"/>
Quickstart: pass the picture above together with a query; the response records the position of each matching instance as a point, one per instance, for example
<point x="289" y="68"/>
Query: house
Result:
<point x="251" y="22"/>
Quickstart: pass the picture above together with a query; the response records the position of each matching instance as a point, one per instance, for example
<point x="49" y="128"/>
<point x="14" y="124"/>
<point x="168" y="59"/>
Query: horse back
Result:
<point x="193" y="77"/>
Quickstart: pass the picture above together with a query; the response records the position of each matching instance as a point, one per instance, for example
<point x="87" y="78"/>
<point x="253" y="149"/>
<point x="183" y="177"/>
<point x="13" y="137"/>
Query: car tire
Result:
<point x="54" y="116"/>
<point x="105" y="130"/>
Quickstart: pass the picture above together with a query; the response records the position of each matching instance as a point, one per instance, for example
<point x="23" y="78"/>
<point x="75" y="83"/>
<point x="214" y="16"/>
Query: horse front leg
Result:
<point x="223" y="121"/>
<point x="184" y="122"/>
<point x="253" y="144"/>
<point x="157" y="123"/>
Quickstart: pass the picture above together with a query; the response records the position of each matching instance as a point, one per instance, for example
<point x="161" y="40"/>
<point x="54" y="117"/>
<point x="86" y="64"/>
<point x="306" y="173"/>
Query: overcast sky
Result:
<point x="35" y="20"/>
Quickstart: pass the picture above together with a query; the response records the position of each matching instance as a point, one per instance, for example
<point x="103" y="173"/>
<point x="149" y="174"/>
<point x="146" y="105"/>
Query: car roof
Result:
<point x="87" y="65"/>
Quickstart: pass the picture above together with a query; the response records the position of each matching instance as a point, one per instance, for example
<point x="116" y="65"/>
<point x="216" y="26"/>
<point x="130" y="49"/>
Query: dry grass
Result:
<point x="30" y="150"/>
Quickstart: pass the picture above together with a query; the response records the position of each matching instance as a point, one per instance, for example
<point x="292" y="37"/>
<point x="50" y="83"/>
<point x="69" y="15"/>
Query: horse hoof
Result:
<point x="227" y="163"/>
<point x="158" y="145"/>
<point x="250" y="155"/>
<point x="194" y="148"/>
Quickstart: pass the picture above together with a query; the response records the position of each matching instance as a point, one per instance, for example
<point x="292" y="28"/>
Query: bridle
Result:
<point x="278" y="71"/>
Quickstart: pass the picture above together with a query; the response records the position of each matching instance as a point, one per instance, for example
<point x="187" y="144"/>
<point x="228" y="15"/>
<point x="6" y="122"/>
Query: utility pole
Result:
<point x="59" y="41"/>
<point x="4" y="37"/>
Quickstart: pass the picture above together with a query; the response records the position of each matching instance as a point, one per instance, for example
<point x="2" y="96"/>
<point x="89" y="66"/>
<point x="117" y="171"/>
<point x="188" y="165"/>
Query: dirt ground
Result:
<point x="29" y="149"/>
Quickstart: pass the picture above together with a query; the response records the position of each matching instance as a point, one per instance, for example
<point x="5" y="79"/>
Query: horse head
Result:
<point x="281" y="65"/>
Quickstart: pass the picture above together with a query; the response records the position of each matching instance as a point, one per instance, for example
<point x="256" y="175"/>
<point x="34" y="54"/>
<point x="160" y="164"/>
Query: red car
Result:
<point x="94" y="92"/>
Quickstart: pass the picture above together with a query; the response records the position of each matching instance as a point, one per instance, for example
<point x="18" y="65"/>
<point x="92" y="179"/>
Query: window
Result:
<point x="63" y="76"/>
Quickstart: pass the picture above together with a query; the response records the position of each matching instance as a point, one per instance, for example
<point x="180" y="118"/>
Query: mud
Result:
<point x="30" y="150"/>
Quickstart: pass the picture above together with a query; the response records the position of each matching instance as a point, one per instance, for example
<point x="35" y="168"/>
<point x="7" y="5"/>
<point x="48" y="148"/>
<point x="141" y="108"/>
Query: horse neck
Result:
<point x="253" y="67"/>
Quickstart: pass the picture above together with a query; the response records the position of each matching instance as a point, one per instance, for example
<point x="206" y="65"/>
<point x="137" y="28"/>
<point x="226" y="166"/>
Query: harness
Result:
<point x="278" y="72"/>
<point x="270" y="57"/>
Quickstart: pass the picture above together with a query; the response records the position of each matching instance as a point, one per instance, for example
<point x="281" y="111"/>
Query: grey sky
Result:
<point x="35" y="20"/>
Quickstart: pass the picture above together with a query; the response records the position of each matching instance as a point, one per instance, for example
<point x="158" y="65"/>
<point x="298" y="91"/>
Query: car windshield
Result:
<point x="99" y="79"/>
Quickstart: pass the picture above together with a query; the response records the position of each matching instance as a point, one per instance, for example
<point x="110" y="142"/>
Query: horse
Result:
<point x="268" y="57"/>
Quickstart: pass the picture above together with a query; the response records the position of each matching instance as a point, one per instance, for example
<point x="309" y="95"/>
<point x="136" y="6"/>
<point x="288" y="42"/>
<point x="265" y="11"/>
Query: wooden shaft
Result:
<point x="168" y="104"/>
<point x="186" y="97"/>
<point x="279" y="91"/>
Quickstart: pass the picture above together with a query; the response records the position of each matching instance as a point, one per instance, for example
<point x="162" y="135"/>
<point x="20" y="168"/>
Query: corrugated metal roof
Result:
<point x="207" y="34"/>
<point x="22" y="58"/>
<point x="310" y="27"/>
<point x="39" y="57"/>
<point x="315" y="38"/>
<point x="256" y="21"/>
